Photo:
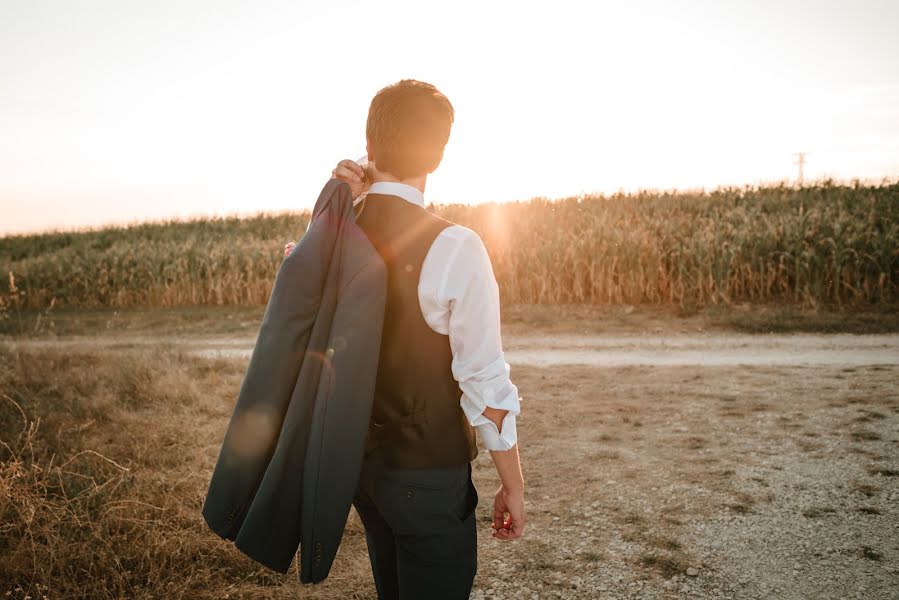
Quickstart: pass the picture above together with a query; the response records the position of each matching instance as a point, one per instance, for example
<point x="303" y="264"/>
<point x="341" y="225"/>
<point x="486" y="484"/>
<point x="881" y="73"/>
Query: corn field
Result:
<point x="824" y="244"/>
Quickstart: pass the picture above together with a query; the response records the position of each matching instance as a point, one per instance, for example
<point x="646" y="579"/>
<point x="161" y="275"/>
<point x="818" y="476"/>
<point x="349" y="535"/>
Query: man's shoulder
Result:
<point x="460" y="250"/>
<point x="456" y="232"/>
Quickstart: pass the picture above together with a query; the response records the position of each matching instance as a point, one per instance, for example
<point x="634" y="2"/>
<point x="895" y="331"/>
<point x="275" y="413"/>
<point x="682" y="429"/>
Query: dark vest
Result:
<point x="416" y="418"/>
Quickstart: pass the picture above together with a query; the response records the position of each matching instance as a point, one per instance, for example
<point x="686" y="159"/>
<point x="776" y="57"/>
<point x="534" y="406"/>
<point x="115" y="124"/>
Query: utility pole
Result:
<point x="800" y="162"/>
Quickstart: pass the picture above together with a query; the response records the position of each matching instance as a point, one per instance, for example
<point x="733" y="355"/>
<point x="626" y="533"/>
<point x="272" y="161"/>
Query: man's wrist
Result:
<point x="514" y="486"/>
<point x="516" y="490"/>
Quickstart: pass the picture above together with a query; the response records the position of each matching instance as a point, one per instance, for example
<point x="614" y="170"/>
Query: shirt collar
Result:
<point x="395" y="188"/>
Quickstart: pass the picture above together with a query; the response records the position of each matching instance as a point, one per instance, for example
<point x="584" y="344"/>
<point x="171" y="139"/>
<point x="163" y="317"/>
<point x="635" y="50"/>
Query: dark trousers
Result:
<point x="420" y="529"/>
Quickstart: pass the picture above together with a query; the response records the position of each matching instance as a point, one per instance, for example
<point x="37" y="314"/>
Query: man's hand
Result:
<point x="351" y="172"/>
<point x="511" y="503"/>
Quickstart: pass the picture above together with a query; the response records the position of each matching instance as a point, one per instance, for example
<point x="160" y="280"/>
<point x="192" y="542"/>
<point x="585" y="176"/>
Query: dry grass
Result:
<point x="815" y="246"/>
<point x="101" y="476"/>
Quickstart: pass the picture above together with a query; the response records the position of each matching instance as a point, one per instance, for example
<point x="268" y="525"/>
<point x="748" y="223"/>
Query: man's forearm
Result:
<point x="508" y="465"/>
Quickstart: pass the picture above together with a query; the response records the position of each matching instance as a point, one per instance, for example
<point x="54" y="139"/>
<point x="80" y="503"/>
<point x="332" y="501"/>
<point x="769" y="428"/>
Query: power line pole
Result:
<point x="800" y="162"/>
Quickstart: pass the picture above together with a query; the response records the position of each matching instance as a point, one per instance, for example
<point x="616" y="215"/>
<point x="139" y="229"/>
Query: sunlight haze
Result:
<point x="115" y="112"/>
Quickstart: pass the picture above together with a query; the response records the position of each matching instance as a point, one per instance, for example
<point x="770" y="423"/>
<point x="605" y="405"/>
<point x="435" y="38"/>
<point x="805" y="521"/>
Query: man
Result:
<point x="441" y="370"/>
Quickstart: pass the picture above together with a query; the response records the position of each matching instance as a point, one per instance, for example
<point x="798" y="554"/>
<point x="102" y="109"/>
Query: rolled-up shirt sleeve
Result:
<point x="470" y="292"/>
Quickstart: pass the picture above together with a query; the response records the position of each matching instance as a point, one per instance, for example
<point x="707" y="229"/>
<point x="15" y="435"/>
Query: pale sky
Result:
<point x="117" y="111"/>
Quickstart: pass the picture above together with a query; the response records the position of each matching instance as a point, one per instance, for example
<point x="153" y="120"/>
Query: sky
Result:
<point x="121" y="111"/>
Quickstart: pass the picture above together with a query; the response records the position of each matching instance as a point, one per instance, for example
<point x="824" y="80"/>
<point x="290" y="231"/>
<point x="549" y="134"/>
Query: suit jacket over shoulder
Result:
<point x="292" y="452"/>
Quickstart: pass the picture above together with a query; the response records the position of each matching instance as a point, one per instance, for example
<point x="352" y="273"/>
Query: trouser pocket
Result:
<point x="425" y="501"/>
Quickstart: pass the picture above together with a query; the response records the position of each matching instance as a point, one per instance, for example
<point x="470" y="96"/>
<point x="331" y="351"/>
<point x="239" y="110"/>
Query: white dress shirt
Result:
<point x="459" y="298"/>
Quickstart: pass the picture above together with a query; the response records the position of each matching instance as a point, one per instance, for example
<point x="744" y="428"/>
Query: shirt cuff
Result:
<point x="491" y="436"/>
<point x="496" y="391"/>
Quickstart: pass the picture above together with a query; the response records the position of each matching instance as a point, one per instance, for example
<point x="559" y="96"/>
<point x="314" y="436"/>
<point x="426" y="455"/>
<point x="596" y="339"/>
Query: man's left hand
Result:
<point x="352" y="173"/>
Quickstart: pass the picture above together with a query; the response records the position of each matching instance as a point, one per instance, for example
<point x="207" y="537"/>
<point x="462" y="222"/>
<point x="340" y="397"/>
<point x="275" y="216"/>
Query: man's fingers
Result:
<point x="352" y="166"/>
<point x="499" y="514"/>
<point x="497" y="519"/>
<point x="346" y="174"/>
<point x="517" y="529"/>
<point x="511" y="529"/>
<point x="513" y="533"/>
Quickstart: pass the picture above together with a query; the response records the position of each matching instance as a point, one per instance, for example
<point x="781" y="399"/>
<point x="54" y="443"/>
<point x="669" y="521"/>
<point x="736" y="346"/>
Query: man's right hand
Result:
<point x="511" y="503"/>
<point x="352" y="173"/>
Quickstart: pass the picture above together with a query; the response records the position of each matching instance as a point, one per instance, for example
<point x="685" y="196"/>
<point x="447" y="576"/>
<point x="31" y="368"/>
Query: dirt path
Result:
<point x="671" y="482"/>
<point x="713" y="349"/>
<point x="705" y="350"/>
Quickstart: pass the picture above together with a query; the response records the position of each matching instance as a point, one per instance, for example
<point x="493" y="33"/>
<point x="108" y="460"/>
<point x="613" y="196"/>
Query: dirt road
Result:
<point x="713" y="349"/>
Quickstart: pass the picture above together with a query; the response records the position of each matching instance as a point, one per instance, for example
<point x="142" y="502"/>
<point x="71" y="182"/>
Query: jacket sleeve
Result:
<point x="271" y="376"/>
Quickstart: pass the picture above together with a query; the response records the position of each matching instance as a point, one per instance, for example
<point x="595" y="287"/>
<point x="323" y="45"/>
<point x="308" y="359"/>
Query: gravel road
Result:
<point x="713" y="349"/>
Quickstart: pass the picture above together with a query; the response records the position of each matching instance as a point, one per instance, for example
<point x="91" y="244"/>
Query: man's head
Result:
<point x="408" y="126"/>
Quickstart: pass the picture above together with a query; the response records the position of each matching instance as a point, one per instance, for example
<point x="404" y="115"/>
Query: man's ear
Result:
<point x="368" y="149"/>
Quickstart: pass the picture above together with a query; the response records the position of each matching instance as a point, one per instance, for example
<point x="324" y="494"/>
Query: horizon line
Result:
<point x="822" y="181"/>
